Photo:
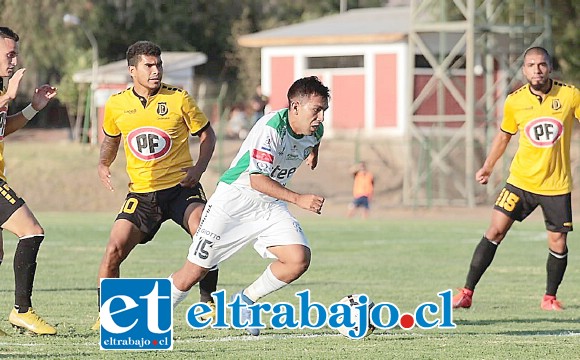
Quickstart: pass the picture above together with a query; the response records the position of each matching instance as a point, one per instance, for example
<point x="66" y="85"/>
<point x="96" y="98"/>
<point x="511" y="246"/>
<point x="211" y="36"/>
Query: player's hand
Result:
<point x="42" y="96"/>
<point x="311" y="202"/>
<point x="105" y="176"/>
<point x="191" y="178"/>
<point x="482" y="175"/>
<point x="14" y="83"/>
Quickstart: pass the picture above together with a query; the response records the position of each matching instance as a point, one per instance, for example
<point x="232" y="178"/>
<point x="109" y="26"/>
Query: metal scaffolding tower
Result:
<point x="468" y="55"/>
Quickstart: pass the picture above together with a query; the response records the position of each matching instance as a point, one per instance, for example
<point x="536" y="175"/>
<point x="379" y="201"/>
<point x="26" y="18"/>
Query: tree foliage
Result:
<point x="52" y="52"/>
<point x="566" y="32"/>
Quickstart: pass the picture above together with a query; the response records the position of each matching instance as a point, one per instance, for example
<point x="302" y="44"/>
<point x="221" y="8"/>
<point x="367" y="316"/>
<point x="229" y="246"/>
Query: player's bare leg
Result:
<point x="184" y="279"/>
<point x="293" y="261"/>
<point x="1" y="246"/>
<point x="123" y="238"/>
<point x="2" y="333"/>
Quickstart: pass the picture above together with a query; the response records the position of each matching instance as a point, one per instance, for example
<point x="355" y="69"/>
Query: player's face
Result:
<point x="537" y="70"/>
<point x="147" y="74"/>
<point x="8" y="56"/>
<point x="309" y="114"/>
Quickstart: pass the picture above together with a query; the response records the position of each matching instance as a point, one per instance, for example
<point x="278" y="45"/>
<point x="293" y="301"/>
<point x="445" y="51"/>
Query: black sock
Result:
<point x="556" y="267"/>
<point x="207" y="285"/>
<point x="24" y="270"/>
<point x="482" y="257"/>
<point x="99" y="299"/>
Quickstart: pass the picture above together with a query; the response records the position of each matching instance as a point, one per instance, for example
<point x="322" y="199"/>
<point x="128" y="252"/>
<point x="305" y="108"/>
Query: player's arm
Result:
<point x="12" y="88"/>
<point x="107" y="155"/>
<point x="207" y="140"/>
<point x="500" y="143"/>
<point x="199" y="126"/>
<point x="40" y="99"/>
<point x="266" y="185"/>
<point x="312" y="159"/>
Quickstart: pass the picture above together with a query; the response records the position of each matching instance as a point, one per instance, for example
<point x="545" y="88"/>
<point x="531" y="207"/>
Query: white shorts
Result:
<point x="231" y="220"/>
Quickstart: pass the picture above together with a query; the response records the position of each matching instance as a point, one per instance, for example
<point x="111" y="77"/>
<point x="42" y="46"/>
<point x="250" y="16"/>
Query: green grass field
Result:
<point x="405" y="262"/>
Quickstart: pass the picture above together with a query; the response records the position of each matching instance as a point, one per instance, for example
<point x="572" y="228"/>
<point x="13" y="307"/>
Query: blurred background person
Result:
<point x="258" y="103"/>
<point x="362" y="190"/>
<point x="239" y="124"/>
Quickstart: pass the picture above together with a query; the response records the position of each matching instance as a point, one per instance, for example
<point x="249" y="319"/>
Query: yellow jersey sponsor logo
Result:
<point x="544" y="132"/>
<point x="149" y="143"/>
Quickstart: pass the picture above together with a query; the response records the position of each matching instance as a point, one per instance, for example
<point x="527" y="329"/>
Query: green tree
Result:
<point x="52" y="52"/>
<point x="566" y="32"/>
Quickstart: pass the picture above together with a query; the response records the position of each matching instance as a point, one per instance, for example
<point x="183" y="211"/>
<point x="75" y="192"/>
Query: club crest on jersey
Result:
<point x="293" y="155"/>
<point x="149" y="143"/>
<point x="307" y="151"/>
<point x="544" y="132"/>
<point x="556" y="104"/>
<point x="162" y="108"/>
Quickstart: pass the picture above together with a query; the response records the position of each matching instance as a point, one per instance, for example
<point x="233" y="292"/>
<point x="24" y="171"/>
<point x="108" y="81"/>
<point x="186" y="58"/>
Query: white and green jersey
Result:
<point x="272" y="149"/>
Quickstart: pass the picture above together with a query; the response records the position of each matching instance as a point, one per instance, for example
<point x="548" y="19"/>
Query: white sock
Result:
<point x="177" y="295"/>
<point x="267" y="283"/>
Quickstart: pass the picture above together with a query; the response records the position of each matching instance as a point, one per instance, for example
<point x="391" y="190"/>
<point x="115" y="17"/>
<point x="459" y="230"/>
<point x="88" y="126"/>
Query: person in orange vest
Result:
<point x="362" y="190"/>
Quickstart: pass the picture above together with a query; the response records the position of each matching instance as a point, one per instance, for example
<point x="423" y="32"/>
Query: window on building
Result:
<point x="422" y="63"/>
<point x="335" y="62"/>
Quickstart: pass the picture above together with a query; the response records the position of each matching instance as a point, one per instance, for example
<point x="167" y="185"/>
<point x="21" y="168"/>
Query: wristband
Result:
<point x="29" y="112"/>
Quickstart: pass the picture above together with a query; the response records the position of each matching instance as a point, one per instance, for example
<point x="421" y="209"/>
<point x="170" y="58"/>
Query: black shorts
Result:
<point x="149" y="210"/>
<point x="9" y="202"/>
<point x="518" y="204"/>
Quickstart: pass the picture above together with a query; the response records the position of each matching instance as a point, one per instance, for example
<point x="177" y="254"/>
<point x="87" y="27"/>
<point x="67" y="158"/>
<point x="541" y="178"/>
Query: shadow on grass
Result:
<point x="54" y="289"/>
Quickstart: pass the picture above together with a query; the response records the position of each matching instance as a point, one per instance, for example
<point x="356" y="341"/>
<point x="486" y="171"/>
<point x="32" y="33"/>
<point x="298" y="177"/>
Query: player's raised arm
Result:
<point x="12" y="88"/>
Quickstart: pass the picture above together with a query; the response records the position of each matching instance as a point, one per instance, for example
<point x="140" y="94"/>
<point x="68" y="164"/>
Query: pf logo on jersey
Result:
<point x="149" y="143"/>
<point x="544" y="132"/>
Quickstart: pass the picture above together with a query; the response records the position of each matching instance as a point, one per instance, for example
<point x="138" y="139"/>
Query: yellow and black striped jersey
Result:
<point x="541" y="164"/>
<point x="155" y="134"/>
<point x="3" y="115"/>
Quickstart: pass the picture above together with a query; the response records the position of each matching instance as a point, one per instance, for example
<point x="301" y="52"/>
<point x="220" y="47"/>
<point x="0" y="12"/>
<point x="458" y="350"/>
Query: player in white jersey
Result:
<point x="250" y="201"/>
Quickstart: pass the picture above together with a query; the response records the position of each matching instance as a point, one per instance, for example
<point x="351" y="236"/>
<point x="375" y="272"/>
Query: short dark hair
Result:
<point x="141" y="48"/>
<point x="538" y="50"/>
<point x="308" y="86"/>
<point x="7" y="33"/>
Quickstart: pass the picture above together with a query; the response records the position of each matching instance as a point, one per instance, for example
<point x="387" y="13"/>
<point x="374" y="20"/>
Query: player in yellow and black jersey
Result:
<point x="15" y="216"/>
<point x="154" y="121"/>
<point x="543" y="111"/>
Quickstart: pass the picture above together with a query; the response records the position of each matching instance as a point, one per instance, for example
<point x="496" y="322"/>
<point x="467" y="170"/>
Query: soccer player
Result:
<point x="543" y="111"/>
<point x="15" y="216"/>
<point x="155" y="120"/>
<point x="250" y="202"/>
